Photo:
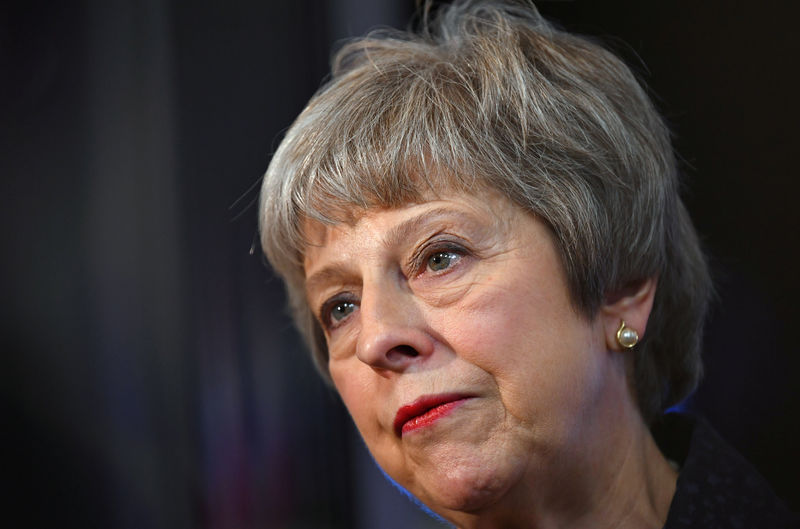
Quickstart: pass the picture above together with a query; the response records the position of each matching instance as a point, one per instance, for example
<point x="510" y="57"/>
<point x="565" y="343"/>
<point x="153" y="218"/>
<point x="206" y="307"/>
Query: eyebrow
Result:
<point x="401" y="232"/>
<point x="395" y="236"/>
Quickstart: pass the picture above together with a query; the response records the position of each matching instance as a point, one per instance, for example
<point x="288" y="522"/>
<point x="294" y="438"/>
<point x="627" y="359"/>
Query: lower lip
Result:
<point x="430" y="416"/>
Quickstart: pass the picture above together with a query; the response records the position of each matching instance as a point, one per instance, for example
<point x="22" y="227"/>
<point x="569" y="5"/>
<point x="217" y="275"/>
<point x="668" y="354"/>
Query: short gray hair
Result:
<point x="489" y="95"/>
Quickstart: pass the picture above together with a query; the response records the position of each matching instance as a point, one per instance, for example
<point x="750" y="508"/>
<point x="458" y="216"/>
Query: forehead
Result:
<point x="389" y="226"/>
<point x="333" y="199"/>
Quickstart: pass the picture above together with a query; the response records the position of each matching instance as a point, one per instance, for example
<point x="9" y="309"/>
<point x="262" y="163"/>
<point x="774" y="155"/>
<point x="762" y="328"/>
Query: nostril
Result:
<point x="405" y="350"/>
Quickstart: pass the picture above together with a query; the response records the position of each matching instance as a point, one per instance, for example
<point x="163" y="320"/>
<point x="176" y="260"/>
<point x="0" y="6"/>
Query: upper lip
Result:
<point x="421" y="406"/>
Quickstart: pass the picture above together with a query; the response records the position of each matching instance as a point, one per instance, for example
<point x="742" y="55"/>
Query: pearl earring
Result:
<point x="626" y="336"/>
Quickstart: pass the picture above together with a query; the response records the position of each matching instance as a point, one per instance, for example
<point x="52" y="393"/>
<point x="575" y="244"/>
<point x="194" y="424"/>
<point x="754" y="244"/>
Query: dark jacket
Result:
<point x="716" y="487"/>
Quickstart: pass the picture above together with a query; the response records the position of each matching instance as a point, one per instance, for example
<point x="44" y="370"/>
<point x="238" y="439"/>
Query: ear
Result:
<point x="631" y="304"/>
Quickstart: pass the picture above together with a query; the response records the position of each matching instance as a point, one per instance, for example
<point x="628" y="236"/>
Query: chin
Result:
<point x="467" y="484"/>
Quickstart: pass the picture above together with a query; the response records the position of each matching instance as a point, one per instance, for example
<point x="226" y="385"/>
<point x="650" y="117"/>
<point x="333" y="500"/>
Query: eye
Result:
<point x="442" y="260"/>
<point x="341" y="310"/>
<point x="336" y="310"/>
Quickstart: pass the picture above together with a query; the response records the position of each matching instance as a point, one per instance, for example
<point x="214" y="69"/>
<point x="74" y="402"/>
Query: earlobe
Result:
<point x="625" y="314"/>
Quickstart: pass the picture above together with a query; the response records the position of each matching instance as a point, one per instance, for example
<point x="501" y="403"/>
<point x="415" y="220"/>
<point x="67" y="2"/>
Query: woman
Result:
<point x="481" y="235"/>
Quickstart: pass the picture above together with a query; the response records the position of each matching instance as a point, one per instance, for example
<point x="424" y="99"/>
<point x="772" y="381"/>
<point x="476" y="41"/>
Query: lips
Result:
<point x="425" y="411"/>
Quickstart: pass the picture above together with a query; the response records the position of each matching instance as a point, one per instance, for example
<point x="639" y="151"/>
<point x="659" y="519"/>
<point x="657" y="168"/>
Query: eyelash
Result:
<point x="418" y="265"/>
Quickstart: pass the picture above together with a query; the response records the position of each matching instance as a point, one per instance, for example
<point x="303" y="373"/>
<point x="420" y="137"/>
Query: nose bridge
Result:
<point x="392" y="332"/>
<point x="383" y="300"/>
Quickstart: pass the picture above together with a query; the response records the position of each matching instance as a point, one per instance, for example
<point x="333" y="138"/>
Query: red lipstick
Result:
<point x="425" y="411"/>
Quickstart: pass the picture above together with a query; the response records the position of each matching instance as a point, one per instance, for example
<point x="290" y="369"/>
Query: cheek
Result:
<point x="352" y="387"/>
<point x="356" y="384"/>
<point x="360" y="397"/>
<point x="500" y="324"/>
<point x="529" y="339"/>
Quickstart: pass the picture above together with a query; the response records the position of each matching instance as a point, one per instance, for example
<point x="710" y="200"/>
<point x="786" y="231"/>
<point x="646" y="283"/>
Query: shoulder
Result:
<point x="717" y="487"/>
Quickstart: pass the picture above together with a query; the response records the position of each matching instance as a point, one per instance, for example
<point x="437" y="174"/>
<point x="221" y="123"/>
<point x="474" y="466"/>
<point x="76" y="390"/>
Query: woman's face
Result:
<point x="455" y="347"/>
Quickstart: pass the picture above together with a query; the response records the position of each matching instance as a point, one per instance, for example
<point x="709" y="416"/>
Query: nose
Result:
<point x="393" y="335"/>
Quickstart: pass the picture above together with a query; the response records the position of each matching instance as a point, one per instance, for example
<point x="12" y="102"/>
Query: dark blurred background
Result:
<point x="150" y="377"/>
